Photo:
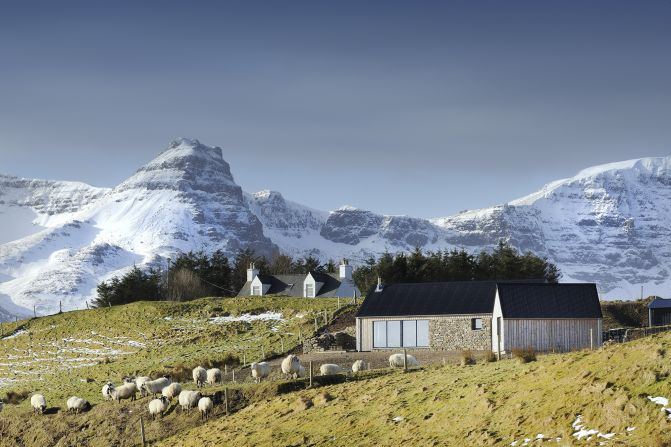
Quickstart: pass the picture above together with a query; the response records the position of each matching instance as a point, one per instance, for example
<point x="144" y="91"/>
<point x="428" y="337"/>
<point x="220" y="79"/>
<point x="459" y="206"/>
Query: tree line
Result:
<point x="198" y="274"/>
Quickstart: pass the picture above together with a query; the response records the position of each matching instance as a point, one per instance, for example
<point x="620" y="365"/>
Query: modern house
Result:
<point x="480" y="315"/>
<point x="308" y="285"/>
<point x="659" y="312"/>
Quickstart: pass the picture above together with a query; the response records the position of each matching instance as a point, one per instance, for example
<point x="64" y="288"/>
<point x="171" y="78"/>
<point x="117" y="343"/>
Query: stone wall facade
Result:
<point x="456" y="333"/>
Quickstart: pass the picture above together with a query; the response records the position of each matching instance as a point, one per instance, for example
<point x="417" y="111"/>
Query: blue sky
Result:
<point x="420" y="108"/>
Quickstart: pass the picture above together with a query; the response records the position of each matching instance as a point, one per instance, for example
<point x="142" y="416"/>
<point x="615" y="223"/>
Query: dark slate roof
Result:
<point x="431" y="298"/>
<point x="534" y="300"/>
<point x="292" y="285"/>
<point x="660" y="303"/>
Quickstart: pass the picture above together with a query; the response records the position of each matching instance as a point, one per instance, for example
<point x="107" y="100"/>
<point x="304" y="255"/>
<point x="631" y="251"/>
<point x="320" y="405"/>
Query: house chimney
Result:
<point x="379" y="285"/>
<point x="251" y="272"/>
<point x="345" y="270"/>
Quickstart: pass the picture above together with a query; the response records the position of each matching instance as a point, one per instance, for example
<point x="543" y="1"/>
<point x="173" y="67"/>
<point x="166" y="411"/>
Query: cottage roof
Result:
<point x="292" y="285"/>
<point x="430" y="298"/>
<point x="660" y="303"/>
<point x="540" y="300"/>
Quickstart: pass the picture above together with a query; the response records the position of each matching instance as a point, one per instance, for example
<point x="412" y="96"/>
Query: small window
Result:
<point x="256" y="291"/>
<point x="476" y="324"/>
<point x="310" y="290"/>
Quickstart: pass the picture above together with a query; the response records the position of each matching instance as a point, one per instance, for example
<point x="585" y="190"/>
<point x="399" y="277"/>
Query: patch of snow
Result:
<point x="266" y="316"/>
<point x="16" y="334"/>
<point x="659" y="400"/>
<point x="397" y="419"/>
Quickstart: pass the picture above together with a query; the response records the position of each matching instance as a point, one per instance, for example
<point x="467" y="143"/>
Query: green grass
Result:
<point x="485" y="405"/>
<point x="58" y="354"/>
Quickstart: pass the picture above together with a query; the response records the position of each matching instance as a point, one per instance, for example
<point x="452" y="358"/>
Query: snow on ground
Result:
<point x="266" y="316"/>
<point x="15" y="334"/>
<point x="664" y="402"/>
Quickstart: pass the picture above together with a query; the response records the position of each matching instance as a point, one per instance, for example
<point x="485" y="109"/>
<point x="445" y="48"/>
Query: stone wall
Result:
<point x="456" y="334"/>
<point x="342" y="340"/>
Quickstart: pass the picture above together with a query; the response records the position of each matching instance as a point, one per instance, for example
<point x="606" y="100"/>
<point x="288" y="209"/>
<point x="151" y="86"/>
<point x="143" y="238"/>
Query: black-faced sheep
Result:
<point x="158" y="406"/>
<point x="107" y="390"/>
<point x="39" y="403"/>
<point x="77" y="405"/>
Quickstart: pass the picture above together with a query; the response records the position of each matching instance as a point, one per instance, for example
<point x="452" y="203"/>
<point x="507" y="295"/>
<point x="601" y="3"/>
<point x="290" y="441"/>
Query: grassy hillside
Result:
<point x="622" y="314"/>
<point x="485" y="404"/>
<point x="77" y="352"/>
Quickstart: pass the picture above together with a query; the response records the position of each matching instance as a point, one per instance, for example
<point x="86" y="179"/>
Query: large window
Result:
<point x="401" y="333"/>
<point x="310" y="290"/>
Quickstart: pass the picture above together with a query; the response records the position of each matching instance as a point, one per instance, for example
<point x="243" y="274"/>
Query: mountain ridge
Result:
<point x="605" y="224"/>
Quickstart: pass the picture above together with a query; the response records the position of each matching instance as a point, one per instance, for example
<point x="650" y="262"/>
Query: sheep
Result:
<point x="39" y="403"/>
<point x="139" y="382"/>
<point x="359" y="365"/>
<point x="188" y="399"/>
<point x="213" y="376"/>
<point x="155" y="386"/>
<point x="205" y="406"/>
<point x="77" y="405"/>
<point x="125" y="391"/>
<point x="396" y="361"/>
<point x="158" y="406"/>
<point x="291" y="365"/>
<point x="107" y="390"/>
<point x="172" y="390"/>
<point x="329" y="369"/>
<point x="199" y="376"/>
<point x="260" y="371"/>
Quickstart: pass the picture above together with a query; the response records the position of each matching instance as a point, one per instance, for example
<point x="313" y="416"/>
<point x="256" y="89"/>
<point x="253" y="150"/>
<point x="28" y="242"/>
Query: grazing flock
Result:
<point x="167" y="390"/>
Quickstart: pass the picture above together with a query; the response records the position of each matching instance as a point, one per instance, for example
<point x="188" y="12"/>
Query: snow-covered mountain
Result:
<point x="609" y="224"/>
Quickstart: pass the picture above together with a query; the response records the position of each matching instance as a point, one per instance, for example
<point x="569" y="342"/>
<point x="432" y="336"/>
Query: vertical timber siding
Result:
<point x="551" y="334"/>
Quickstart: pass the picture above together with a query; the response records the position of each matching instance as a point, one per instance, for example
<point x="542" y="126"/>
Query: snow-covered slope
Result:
<point x="610" y="224"/>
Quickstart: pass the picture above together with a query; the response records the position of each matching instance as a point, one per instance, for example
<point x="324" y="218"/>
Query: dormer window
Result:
<point x="256" y="290"/>
<point x="309" y="290"/>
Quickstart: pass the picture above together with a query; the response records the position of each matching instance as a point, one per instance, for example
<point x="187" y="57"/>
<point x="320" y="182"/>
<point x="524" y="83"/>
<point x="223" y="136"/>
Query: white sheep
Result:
<point x="213" y="376"/>
<point x="158" y="406"/>
<point x="396" y="361"/>
<point x="171" y="391"/>
<point x="199" y="376"/>
<point x="107" y="390"/>
<point x="359" y="365"/>
<point x="260" y="371"/>
<point x="139" y="382"/>
<point x="77" y="405"/>
<point x="291" y="365"/>
<point x="154" y="387"/>
<point x="188" y="399"/>
<point x="125" y="391"/>
<point x="329" y="369"/>
<point x="205" y="406"/>
<point x="39" y="403"/>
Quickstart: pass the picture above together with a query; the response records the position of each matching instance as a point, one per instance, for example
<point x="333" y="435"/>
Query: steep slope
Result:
<point x="609" y="224"/>
<point x="583" y="398"/>
<point x="185" y="199"/>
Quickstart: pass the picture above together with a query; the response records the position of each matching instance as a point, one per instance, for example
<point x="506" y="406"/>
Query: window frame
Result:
<point x="257" y="290"/>
<point x="309" y="294"/>
<point x="403" y="326"/>
<point x="474" y="324"/>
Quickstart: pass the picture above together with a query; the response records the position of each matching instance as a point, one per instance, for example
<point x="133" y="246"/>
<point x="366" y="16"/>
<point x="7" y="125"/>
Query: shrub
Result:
<point x="490" y="357"/>
<point x="525" y="355"/>
<point x="467" y="358"/>
<point x="16" y="397"/>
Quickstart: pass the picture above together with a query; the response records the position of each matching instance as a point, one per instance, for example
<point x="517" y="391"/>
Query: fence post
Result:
<point x="34" y="312"/>
<point x="282" y="343"/>
<point x="87" y="304"/>
<point x="263" y="352"/>
<point x="405" y="360"/>
<point x="316" y="329"/>
<point x="338" y="303"/>
<point x="244" y="358"/>
<point x="226" y="400"/>
<point x="233" y="371"/>
<point x="60" y="307"/>
<point x="310" y="368"/>
<point x="498" y="343"/>
<point x="591" y="339"/>
<point x="142" y="438"/>
<point x="225" y="369"/>
<point x="326" y="318"/>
